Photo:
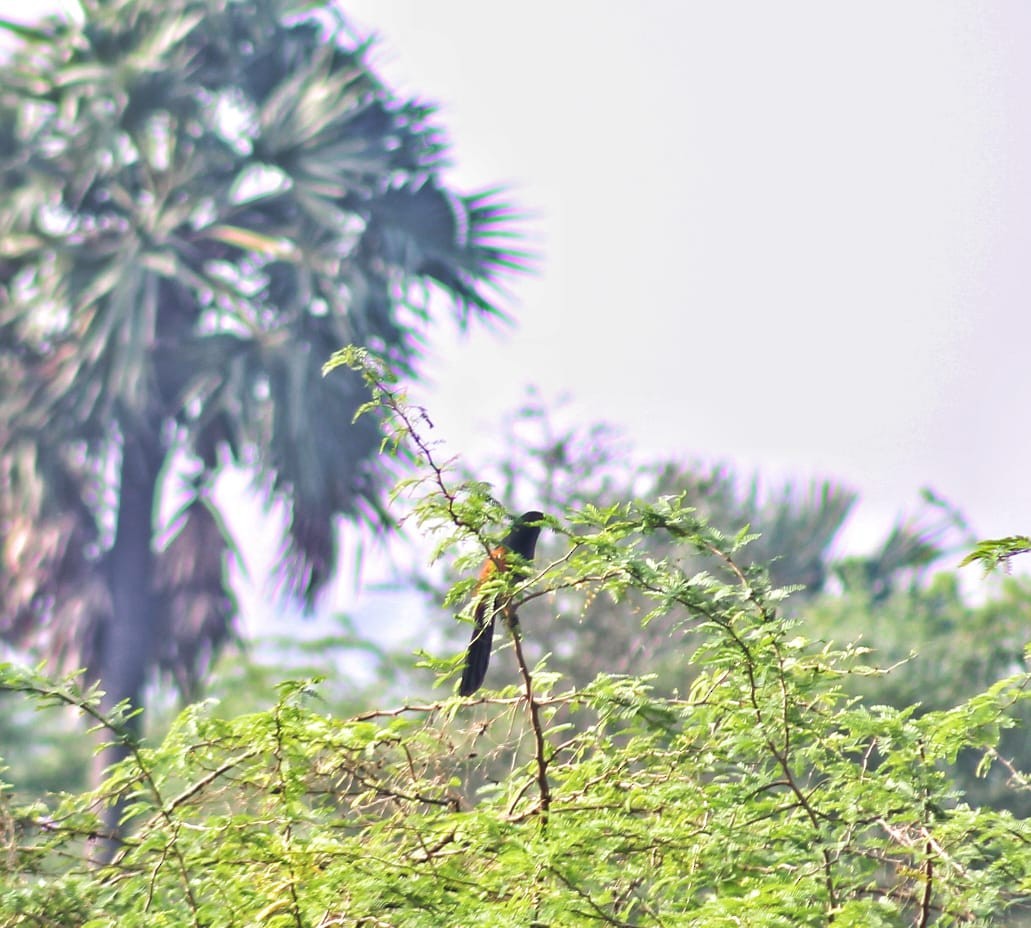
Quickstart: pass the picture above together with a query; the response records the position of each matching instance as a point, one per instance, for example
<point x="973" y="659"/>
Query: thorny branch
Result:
<point x="125" y="737"/>
<point x="408" y="416"/>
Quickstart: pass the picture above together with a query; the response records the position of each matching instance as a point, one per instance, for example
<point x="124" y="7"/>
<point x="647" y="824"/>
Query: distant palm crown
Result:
<point x="200" y="200"/>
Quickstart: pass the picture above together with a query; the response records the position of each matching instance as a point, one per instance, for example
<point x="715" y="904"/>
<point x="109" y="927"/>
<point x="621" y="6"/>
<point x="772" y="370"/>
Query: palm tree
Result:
<point x="199" y="201"/>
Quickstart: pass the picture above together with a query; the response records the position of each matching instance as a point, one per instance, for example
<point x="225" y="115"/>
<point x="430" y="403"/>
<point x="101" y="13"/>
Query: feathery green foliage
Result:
<point x="763" y="794"/>
<point x="993" y="552"/>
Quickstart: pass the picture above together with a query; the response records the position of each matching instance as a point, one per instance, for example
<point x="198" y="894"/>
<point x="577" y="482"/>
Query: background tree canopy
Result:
<point x="199" y="201"/>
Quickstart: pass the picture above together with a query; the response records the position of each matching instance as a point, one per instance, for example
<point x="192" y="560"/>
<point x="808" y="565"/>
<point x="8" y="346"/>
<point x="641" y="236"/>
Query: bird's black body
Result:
<point x="521" y="541"/>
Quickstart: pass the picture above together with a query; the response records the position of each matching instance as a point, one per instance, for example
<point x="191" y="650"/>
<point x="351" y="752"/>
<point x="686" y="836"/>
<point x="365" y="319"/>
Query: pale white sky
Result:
<point x="793" y="236"/>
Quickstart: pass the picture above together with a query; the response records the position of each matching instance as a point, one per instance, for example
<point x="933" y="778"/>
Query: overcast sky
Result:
<point x="791" y="236"/>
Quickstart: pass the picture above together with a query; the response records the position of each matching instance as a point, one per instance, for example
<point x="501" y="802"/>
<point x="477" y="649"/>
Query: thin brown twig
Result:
<point x="924" y="918"/>
<point x="540" y="760"/>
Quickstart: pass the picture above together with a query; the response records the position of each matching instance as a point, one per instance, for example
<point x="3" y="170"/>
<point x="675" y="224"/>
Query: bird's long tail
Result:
<point x="477" y="657"/>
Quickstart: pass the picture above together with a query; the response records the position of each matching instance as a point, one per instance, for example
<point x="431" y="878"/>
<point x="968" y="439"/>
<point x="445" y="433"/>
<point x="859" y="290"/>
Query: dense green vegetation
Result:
<point x="785" y="781"/>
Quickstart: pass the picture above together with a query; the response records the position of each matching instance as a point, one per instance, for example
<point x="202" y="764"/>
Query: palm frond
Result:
<point x="194" y="608"/>
<point x="201" y="201"/>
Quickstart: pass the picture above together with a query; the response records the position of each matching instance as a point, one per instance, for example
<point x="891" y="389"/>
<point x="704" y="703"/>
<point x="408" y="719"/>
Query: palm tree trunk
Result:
<point x="127" y="642"/>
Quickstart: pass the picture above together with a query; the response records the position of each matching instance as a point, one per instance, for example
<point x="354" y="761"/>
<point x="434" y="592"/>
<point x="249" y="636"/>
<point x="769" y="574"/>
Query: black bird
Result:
<point x="521" y="541"/>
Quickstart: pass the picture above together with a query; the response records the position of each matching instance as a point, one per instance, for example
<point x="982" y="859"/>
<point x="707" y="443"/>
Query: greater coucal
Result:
<point x="521" y="541"/>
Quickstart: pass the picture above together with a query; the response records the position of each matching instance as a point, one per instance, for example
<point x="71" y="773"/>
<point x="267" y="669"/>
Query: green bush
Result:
<point x="763" y="794"/>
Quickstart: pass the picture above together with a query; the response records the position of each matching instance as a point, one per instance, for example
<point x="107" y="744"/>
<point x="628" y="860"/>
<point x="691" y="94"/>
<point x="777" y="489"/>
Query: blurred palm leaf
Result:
<point x="201" y="200"/>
